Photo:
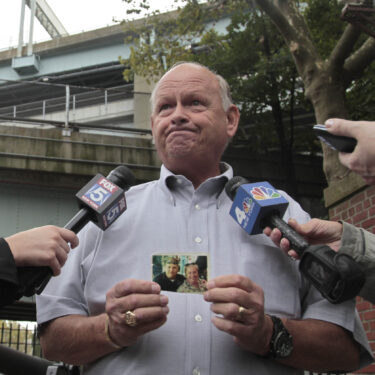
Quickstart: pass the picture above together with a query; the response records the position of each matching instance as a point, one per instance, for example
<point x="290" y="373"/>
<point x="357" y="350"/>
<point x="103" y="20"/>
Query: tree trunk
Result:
<point x="327" y="96"/>
<point x="325" y="81"/>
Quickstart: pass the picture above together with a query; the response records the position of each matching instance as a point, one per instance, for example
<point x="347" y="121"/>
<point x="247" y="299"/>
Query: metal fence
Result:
<point x="19" y="337"/>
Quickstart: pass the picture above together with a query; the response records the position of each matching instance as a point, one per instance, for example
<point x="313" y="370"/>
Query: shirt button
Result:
<point x="196" y="371"/>
<point x="198" y="240"/>
<point x="198" y="318"/>
<point x="197" y="207"/>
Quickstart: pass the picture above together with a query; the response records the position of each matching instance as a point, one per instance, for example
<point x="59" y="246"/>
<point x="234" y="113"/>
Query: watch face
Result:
<point x="283" y="345"/>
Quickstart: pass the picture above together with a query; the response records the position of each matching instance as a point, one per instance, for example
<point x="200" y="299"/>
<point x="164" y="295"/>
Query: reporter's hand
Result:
<point x="141" y="297"/>
<point x="315" y="231"/>
<point x="42" y="246"/>
<point x="252" y="328"/>
<point x="362" y="159"/>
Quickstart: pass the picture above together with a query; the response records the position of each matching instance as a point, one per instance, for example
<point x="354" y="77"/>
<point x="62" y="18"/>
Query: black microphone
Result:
<point x="13" y="362"/>
<point x="337" y="276"/>
<point x="102" y="201"/>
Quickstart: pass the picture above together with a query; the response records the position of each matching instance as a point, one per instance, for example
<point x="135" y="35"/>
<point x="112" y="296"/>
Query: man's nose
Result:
<point x="179" y="115"/>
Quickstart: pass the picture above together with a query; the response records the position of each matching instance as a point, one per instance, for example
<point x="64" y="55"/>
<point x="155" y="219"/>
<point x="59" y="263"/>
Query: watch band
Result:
<point x="281" y="344"/>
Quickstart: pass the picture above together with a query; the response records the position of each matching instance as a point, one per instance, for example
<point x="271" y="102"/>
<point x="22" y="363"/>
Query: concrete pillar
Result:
<point x="142" y="111"/>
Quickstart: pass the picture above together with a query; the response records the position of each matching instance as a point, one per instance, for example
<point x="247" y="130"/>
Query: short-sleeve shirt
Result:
<point x="169" y="216"/>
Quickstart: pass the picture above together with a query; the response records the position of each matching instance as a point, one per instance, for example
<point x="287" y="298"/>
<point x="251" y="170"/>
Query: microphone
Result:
<point x="257" y="205"/>
<point x="13" y="362"/>
<point x="102" y="201"/>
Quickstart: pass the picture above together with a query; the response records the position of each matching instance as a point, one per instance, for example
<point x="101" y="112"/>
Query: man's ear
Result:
<point x="233" y="118"/>
<point x="152" y="125"/>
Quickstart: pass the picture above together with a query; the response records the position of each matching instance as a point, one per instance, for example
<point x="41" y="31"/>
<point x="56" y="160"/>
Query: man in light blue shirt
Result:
<point x="258" y="316"/>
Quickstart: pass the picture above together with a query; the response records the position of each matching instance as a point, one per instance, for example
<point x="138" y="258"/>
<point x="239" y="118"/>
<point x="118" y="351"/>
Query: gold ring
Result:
<point x="241" y="311"/>
<point x="130" y="319"/>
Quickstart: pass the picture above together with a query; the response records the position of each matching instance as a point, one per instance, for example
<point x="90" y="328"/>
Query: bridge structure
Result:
<point x="66" y="113"/>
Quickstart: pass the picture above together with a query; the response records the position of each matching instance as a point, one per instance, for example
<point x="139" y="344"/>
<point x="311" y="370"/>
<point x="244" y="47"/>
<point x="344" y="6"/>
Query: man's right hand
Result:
<point x="143" y="299"/>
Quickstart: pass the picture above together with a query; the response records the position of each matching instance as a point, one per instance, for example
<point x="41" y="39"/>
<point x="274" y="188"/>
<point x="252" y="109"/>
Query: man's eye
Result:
<point x="164" y="107"/>
<point x="196" y="102"/>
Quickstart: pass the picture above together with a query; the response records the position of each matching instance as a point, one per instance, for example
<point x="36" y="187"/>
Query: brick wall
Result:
<point x="359" y="210"/>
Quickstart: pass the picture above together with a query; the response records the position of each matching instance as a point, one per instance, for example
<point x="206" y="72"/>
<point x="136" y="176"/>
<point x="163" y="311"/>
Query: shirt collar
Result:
<point x="169" y="182"/>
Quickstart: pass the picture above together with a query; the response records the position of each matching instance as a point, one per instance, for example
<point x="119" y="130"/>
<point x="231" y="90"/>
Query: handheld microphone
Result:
<point x="337" y="276"/>
<point x="258" y="205"/>
<point x="13" y="362"/>
<point x="101" y="201"/>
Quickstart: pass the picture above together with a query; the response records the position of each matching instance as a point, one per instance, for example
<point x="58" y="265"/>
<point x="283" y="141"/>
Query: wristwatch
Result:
<point x="281" y="345"/>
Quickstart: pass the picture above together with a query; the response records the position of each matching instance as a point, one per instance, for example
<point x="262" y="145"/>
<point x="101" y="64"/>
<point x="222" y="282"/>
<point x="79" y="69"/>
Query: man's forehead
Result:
<point x="189" y="76"/>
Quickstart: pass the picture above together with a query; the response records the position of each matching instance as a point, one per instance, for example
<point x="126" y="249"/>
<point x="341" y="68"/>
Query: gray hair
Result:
<point x="226" y="97"/>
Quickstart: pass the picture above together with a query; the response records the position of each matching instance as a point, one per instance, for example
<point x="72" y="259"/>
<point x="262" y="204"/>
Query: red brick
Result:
<point x="342" y="207"/>
<point x="368" y="223"/>
<point x="360" y="217"/>
<point x="371" y="211"/>
<point x="356" y="199"/>
<point x="366" y="203"/>
<point x="370" y="191"/>
<point x="367" y="370"/>
<point x="351" y="211"/>
<point x="344" y="215"/>
<point x="361" y="306"/>
<point x="358" y="207"/>
<point x="371" y="335"/>
<point x="334" y="218"/>
<point x="369" y="315"/>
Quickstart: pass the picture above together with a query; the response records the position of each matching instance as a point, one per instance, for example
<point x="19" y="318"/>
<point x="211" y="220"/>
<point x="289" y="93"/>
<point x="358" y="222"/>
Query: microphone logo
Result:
<point x="253" y="202"/>
<point x="247" y="205"/>
<point x="262" y="192"/>
<point x="114" y="213"/>
<point x="99" y="193"/>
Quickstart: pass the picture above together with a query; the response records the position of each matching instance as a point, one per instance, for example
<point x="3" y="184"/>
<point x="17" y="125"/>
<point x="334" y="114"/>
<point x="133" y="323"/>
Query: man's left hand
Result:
<point x="239" y="305"/>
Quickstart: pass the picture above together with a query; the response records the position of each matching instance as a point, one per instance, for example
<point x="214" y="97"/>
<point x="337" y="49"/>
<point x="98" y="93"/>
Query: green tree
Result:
<point x="329" y="69"/>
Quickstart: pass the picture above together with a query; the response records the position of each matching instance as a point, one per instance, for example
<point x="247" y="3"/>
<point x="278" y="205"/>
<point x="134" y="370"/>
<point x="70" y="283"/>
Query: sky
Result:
<point x="75" y="15"/>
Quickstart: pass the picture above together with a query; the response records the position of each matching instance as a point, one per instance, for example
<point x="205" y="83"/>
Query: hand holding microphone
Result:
<point x="256" y="206"/>
<point x="101" y="201"/>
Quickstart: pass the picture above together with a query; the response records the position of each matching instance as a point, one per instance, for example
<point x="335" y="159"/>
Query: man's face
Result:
<point x="189" y="123"/>
<point x="171" y="271"/>
<point x="192" y="274"/>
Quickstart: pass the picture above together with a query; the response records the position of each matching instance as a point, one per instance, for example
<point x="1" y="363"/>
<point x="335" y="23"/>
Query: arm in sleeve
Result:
<point x="336" y="321"/>
<point x="8" y="275"/>
<point x="360" y="245"/>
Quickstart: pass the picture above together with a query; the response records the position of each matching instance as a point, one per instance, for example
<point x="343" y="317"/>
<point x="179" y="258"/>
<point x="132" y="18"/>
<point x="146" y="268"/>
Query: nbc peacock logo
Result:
<point x="247" y="204"/>
<point x="262" y="193"/>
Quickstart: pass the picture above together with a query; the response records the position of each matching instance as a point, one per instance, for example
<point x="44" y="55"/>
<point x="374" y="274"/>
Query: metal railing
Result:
<point x="21" y="338"/>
